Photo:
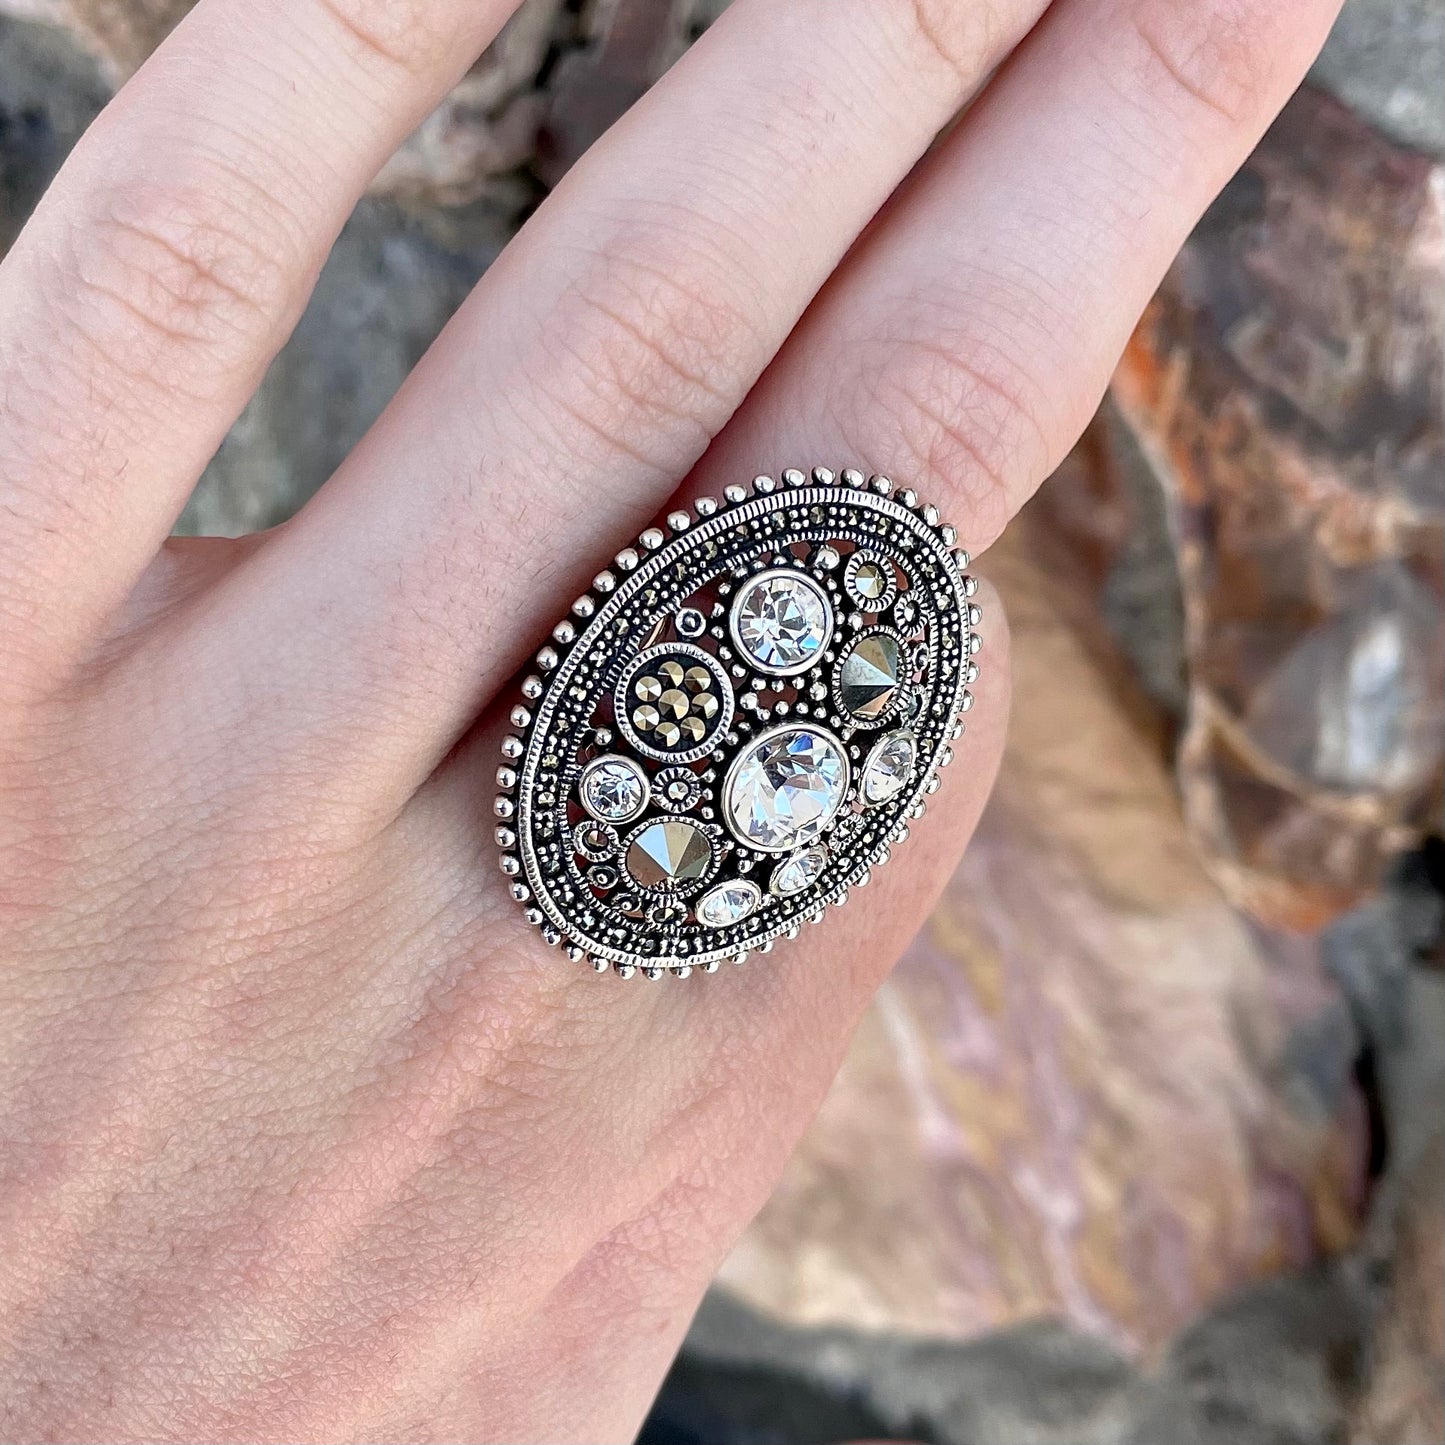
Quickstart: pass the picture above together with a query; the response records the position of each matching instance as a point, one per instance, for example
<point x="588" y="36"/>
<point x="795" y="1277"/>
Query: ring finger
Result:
<point x="966" y="343"/>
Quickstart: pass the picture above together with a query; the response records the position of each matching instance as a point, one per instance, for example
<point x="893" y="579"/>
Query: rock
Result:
<point x="1090" y="1091"/>
<point x="1387" y="955"/>
<point x="745" y="1379"/>
<point x="1286" y="388"/>
<point x="1113" y="520"/>
<point x="1404" y="1400"/>
<point x="1384" y="61"/>
<point x="1274" y="1365"/>
<point x="49" y="93"/>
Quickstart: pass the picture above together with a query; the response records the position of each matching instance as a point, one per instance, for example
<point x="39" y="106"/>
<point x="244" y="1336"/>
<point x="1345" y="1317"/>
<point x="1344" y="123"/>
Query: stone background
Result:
<point x="1143" y="1140"/>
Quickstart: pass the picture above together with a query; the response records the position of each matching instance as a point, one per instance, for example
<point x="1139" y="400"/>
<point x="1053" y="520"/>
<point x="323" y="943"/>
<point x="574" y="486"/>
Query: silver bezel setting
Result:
<point x="873" y="606"/>
<point x="783" y="863"/>
<point x="873" y="754"/>
<point x="790" y="574"/>
<point x="716" y="726"/>
<point x="747" y="884"/>
<point x="900" y="695"/>
<point x="802" y="840"/>
<point x="711" y="835"/>
<point x="802" y="524"/>
<point x="611" y="760"/>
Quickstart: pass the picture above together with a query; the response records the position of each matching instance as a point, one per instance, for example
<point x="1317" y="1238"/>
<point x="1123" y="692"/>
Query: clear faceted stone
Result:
<point x="869" y="678"/>
<point x="798" y="872"/>
<point x="785" y="788"/>
<point x="613" y="789"/>
<point x="889" y="768"/>
<point x="782" y="621"/>
<point x="668" y="854"/>
<point x="728" y="903"/>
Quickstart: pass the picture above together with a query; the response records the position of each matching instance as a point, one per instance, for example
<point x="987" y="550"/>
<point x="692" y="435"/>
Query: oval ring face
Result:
<point x="727" y="693"/>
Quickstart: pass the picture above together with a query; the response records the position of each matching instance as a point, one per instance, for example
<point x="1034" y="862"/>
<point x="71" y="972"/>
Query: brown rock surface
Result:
<point x="1286" y="386"/>
<point x="1087" y="1091"/>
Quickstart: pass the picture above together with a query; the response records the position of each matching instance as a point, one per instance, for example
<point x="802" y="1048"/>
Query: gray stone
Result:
<point x="49" y="92"/>
<point x="1277" y="1365"/>
<point x="1386" y="59"/>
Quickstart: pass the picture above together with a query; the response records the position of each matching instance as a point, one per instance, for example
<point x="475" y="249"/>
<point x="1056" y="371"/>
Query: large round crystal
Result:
<point x="782" y="621"/>
<point x="785" y="788"/>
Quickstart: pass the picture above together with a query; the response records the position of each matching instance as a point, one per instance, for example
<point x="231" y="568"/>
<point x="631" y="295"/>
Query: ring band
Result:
<point x="735" y="726"/>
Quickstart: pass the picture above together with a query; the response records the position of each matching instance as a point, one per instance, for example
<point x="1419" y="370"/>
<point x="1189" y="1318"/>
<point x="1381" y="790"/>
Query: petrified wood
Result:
<point x="1286" y="385"/>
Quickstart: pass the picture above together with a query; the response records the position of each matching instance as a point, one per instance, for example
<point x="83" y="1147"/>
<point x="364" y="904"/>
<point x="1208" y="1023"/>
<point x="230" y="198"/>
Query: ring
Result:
<point x="737" y="723"/>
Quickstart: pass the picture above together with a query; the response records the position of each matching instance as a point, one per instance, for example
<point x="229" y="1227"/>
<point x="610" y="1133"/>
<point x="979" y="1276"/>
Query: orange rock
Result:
<point x="1286" y="386"/>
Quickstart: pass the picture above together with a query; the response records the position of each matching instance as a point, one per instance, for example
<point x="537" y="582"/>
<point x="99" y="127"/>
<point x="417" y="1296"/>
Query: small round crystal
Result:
<point x="728" y="903"/>
<point x="800" y="871"/>
<point x="613" y="789"/>
<point x="889" y="768"/>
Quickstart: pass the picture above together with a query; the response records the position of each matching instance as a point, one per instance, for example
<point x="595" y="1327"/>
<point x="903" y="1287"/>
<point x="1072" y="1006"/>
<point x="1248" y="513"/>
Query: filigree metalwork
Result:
<point x="786" y="670"/>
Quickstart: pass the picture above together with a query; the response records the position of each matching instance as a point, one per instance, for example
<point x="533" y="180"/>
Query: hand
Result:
<point x="303" y="1133"/>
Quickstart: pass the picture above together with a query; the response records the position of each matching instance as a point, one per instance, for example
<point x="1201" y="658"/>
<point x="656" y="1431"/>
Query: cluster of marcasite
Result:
<point x="739" y="723"/>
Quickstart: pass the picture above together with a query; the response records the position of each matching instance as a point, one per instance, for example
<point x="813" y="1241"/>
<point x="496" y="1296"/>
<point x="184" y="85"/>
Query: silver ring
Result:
<point x="736" y="725"/>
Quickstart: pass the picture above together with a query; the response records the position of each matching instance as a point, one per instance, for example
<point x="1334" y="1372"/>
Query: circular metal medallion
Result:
<point x="725" y="693"/>
<point x="673" y="701"/>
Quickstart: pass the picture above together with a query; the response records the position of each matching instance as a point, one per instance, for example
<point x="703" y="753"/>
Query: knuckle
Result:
<point x="656" y="348"/>
<point x="1217" y="55"/>
<point x="176" y="285"/>
<point x="959" y="38"/>
<point x="409" y="36"/>
<point x="957" y="422"/>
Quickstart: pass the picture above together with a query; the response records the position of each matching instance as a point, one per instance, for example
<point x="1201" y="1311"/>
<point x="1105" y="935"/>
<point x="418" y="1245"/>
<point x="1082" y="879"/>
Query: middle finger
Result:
<point x="588" y="372"/>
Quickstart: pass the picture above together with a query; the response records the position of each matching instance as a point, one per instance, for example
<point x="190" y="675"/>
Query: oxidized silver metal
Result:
<point x="735" y="726"/>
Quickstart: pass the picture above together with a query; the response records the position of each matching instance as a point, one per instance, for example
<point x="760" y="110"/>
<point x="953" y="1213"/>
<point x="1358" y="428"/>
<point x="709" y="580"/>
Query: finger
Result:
<point x="170" y="260"/>
<point x="968" y="341"/>
<point x="594" y="362"/>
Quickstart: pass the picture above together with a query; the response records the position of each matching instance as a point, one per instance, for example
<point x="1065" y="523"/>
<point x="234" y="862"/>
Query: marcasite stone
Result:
<point x="668" y="854"/>
<point x="869" y="676"/>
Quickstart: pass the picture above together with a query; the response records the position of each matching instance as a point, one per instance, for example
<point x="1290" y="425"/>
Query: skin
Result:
<point x="304" y="1135"/>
